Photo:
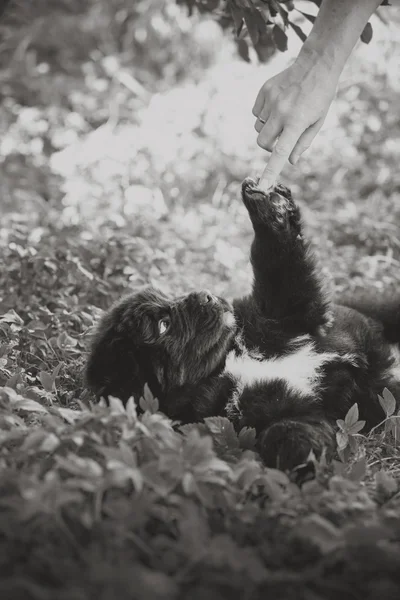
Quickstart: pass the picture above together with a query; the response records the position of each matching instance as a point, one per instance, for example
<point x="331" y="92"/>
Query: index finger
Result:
<point x="280" y="154"/>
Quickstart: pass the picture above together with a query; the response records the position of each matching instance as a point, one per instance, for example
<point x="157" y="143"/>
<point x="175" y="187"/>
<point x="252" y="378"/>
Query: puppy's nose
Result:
<point x="205" y="297"/>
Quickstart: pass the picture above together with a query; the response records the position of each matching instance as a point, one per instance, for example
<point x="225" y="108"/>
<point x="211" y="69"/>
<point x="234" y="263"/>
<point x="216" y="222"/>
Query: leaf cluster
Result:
<point x="122" y="499"/>
<point x="348" y="437"/>
<point x="262" y="24"/>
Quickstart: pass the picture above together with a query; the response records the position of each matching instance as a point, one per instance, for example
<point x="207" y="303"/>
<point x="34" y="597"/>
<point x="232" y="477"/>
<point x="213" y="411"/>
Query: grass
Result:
<point x="108" y="183"/>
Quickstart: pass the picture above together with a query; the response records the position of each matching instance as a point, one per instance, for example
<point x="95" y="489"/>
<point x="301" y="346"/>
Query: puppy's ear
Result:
<point x="112" y="368"/>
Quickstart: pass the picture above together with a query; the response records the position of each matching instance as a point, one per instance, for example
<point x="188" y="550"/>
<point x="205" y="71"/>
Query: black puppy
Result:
<point x="283" y="360"/>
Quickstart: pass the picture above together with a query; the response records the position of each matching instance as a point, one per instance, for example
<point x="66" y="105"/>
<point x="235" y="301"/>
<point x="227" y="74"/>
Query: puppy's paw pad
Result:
<point x="275" y="208"/>
<point x="251" y="191"/>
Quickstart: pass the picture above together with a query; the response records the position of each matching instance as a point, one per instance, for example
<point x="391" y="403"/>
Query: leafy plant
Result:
<point x="263" y="23"/>
<point x="392" y="421"/>
<point x="347" y="436"/>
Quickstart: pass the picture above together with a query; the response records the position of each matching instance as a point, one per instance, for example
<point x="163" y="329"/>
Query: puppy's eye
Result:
<point x="163" y="325"/>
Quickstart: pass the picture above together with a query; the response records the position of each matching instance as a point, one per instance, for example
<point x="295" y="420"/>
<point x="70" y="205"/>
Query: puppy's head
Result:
<point x="168" y="343"/>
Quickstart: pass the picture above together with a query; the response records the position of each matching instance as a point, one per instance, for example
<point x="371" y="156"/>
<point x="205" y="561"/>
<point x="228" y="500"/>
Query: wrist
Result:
<point x="322" y="58"/>
<point x="335" y="32"/>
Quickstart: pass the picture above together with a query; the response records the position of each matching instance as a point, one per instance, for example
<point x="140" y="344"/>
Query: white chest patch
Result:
<point x="301" y="369"/>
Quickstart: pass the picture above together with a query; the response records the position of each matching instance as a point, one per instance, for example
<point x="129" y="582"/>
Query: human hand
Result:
<point x="290" y="109"/>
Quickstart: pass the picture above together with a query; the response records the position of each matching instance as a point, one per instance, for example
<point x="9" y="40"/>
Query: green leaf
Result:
<point x="199" y="456"/>
<point x="320" y="531"/>
<point x="65" y="341"/>
<point x="309" y="17"/>
<point x="280" y="38"/>
<point x="273" y="7"/>
<point x="193" y="530"/>
<point x="237" y="16"/>
<point x="284" y="14"/>
<point x="396" y="430"/>
<point x="188" y="484"/>
<point x="68" y="414"/>
<point x="358" y="469"/>
<point x="353" y="443"/>
<point x="339" y="468"/>
<point x="243" y="49"/>
<point x="345" y="453"/>
<point x="279" y="477"/>
<point x="226" y="555"/>
<point x="385" y="483"/>
<point x="222" y="431"/>
<point x="11" y="317"/>
<point x="352" y="416"/>
<point x="199" y="427"/>
<point x="298" y="30"/>
<point x="255" y="23"/>
<point x="272" y="487"/>
<point x="130" y="409"/>
<point x="389" y="426"/>
<point x="148" y="402"/>
<point x="388" y="402"/>
<point x="247" y="438"/>
<point x="33" y="440"/>
<point x="367" y="33"/>
<point x="56" y="370"/>
<point x="127" y="454"/>
<point x="246" y="472"/>
<point x="356" y="427"/>
<point x="47" y="381"/>
<point x="80" y="466"/>
<point x="116" y="405"/>
<point x="341" y="424"/>
<point x="342" y="440"/>
<point x="49" y="443"/>
<point x="197" y="449"/>
<point x="30" y="406"/>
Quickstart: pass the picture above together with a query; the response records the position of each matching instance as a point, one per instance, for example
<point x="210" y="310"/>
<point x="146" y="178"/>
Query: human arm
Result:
<point x="294" y="103"/>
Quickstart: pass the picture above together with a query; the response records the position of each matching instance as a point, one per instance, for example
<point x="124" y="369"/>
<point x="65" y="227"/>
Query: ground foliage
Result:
<point x="109" y="182"/>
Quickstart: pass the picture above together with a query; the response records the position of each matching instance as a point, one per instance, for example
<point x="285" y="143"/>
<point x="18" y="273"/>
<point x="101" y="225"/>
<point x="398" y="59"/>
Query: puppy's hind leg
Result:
<point x="383" y="307"/>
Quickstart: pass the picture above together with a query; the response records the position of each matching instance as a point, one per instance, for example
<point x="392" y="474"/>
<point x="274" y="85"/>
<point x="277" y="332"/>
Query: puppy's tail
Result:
<point x="383" y="307"/>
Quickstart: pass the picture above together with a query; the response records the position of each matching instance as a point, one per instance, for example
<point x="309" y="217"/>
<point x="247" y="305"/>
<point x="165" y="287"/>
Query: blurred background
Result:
<point x="126" y="130"/>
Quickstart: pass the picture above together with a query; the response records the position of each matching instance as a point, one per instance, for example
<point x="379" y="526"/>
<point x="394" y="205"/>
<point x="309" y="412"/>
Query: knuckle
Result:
<point x="283" y="109"/>
<point x="269" y="174"/>
<point x="282" y="150"/>
<point x="266" y="87"/>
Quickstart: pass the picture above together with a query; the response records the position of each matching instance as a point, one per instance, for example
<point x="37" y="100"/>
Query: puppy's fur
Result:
<point x="283" y="360"/>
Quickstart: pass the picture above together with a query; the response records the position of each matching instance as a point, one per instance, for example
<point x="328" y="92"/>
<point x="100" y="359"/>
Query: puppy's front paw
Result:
<point x="275" y="208"/>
